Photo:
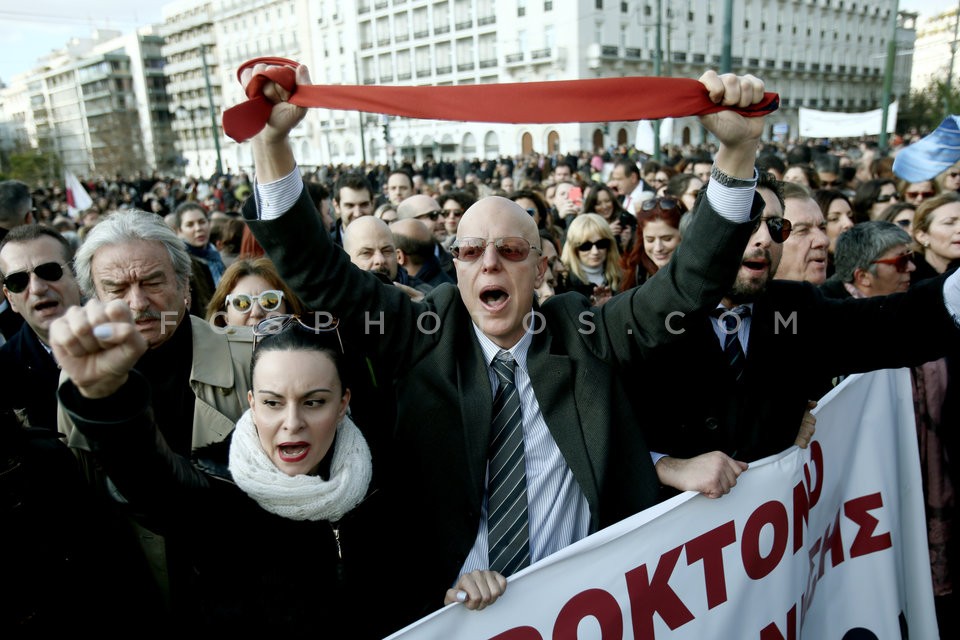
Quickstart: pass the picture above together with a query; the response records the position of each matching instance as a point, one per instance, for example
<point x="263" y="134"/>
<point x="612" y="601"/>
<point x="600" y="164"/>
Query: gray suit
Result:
<point x="440" y="442"/>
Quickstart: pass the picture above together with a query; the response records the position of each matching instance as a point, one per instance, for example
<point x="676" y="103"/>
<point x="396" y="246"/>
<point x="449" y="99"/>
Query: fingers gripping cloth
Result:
<point x="597" y="100"/>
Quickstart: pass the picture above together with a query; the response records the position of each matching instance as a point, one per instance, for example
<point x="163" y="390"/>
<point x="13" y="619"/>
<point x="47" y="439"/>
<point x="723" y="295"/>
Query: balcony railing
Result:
<point x="539" y="54"/>
<point x="513" y="58"/>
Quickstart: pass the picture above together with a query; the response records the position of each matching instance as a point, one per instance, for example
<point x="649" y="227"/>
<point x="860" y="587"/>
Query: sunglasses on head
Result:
<point x="510" y="248"/>
<point x="17" y="282"/>
<point x="900" y="263"/>
<point x="278" y="324"/>
<point x="663" y="204"/>
<point x="887" y="197"/>
<point x="778" y="227"/>
<point x="268" y="300"/>
<point x="917" y="194"/>
<point x="433" y="215"/>
<point x="602" y="244"/>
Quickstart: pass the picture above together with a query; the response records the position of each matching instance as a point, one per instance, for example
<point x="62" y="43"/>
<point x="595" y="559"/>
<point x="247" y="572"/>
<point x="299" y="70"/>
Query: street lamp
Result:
<point x="182" y="114"/>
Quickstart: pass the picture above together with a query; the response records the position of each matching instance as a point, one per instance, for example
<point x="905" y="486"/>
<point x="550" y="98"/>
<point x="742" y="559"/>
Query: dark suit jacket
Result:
<point x="688" y="395"/>
<point x="31" y="376"/>
<point x="444" y="397"/>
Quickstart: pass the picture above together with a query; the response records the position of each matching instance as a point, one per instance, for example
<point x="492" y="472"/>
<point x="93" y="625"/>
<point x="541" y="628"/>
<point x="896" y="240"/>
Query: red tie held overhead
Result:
<point x="597" y="100"/>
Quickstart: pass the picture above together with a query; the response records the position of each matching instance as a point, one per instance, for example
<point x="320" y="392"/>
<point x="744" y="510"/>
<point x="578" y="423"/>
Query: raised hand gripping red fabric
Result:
<point x="598" y="100"/>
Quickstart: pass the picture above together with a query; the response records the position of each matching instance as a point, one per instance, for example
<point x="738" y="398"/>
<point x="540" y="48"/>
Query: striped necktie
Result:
<point x="508" y="534"/>
<point x="730" y="320"/>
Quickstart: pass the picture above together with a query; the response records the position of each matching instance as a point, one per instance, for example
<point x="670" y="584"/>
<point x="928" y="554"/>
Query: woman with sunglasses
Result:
<point x="603" y="201"/>
<point x="658" y="227"/>
<point x="592" y="260"/>
<point x="250" y="291"/>
<point x="936" y="229"/>
<point x="872" y="197"/>
<point x="917" y="192"/>
<point x="900" y="214"/>
<point x="949" y="180"/>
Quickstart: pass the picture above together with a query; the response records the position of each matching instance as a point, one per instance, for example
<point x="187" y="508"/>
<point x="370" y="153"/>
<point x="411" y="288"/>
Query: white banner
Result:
<point x="836" y="124"/>
<point x="813" y="543"/>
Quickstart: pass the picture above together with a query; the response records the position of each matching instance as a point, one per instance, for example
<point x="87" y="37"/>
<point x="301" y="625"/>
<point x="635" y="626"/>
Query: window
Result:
<point x="624" y="7"/>
<point x="521" y="8"/>
<point x="548" y="5"/>
<point x="599" y="4"/>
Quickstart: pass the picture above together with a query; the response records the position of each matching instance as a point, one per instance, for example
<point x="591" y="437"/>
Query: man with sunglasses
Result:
<point x="39" y="284"/>
<point x="426" y="210"/>
<point x="587" y="464"/>
<point x="737" y="388"/>
<point x="16" y="208"/>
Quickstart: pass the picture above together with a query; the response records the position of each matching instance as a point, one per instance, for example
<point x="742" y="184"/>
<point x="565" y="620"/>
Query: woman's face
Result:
<point x="905" y="220"/>
<point x="839" y="219"/>
<point x="660" y="240"/>
<point x="888" y="195"/>
<point x="592" y="255"/>
<point x="943" y="237"/>
<point x="252" y="286"/>
<point x="689" y="196"/>
<point x="604" y="203"/>
<point x="194" y="228"/>
<point x="530" y="205"/>
<point x="297" y="403"/>
<point x="917" y="192"/>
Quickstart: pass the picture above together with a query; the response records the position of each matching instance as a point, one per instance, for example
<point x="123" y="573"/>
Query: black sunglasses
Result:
<point x="602" y="244"/>
<point x="778" y="227"/>
<point x="433" y="215"/>
<point x="278" y="324"/>
<point x="887" y="197"/>
<point x="17" y="282"/>
<point x="663" y="204"/>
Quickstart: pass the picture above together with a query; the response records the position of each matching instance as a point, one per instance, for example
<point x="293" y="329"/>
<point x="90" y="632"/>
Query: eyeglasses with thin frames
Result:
<point x="900" y="263"/>
<point x="514" y="249"/>
<point x="277" y="324"/>
<point x="18" y="281"/>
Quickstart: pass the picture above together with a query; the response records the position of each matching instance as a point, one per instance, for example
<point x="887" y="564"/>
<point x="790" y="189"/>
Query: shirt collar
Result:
<point x="518" y="351"/>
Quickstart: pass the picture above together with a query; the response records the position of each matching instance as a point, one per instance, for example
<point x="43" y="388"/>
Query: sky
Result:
<point x="41" y="26"/>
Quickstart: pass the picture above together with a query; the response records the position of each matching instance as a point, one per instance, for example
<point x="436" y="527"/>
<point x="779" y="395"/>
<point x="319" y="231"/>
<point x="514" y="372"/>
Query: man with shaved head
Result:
<point x="428" y="211"/>
<point x="371" y="246"/>
<point x="483" y="358"/>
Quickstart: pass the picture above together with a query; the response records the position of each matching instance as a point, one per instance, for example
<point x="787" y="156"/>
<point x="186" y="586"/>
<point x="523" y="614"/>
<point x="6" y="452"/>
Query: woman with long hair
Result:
<point x="591" y="257"/>
<point x="658" y="232"/>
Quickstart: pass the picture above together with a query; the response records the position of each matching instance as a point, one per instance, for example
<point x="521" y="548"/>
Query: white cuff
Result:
<point x="733" y="203"/>
<point x="276" y="198"/>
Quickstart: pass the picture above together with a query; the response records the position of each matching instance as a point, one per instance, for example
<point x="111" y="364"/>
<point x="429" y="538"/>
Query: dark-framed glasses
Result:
<point x="318" y="324"/>
<point x="778" y="227"/>
<point x="887" y="197"/>
<point x="602" y="244"/>
<point x="664" y="204"/>
<point x="269" y="300"/>
<point x="901" y="263"/>
<point x="433" y="215"/>
<point x="514" y="249"/>
<point x="18" y="281"/>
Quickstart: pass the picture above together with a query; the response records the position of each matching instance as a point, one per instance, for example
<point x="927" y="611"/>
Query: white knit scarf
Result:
<point x="302" y="497"/>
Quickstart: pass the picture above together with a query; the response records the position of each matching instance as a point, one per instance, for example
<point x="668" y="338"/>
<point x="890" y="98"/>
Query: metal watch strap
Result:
<point x="730" y="181"/>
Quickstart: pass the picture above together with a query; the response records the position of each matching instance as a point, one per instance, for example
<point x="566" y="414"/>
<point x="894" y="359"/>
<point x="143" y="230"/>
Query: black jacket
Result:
<point x="30" y="377"/>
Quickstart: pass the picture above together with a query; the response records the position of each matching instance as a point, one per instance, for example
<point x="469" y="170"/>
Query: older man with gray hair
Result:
<point x="872" y="259"/>
<point x="193" y="378"/>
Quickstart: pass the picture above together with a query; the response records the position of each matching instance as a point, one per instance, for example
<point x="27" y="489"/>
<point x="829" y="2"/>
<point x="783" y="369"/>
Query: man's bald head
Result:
<point x="413" y="229"/>
<point x="502" y="211"/>
<point x="369" y="243"/>
<point x="417" y="206"/>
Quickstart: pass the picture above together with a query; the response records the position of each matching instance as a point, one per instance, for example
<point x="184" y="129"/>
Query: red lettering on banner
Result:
<point x="832" y="540"/>
<point x="816" y="459"/>
<point x="595" y="603"/>
<point x="648" y="597"/>
<point x="812" y="577"/>
<point x="801" y="514"/>
<point x="772" y="631"/>
<point x="770" y="513"/>
<point x="518" y="633"/>
<point x="865" y="542"/>
<point x="709" y="548"/>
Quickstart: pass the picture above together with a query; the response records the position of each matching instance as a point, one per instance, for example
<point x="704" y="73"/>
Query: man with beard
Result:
<point x="198" y="376"/>
<point x="736" y="388"/>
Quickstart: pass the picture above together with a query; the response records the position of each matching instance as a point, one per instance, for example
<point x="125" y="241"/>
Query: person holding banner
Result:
<point x="482" y="358"/>
<point x="750" y="367"/>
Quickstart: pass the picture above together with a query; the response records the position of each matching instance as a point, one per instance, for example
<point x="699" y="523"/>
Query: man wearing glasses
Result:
<point x="485" y="342"/>
<point x="749" y="369"/>
<point x="16" y="208"/>
<point x="426" y="210"/>
<point x="38" y="282"/>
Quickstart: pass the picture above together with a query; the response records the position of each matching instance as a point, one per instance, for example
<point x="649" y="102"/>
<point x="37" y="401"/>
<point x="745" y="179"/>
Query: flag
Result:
<point x="77" y="197"/>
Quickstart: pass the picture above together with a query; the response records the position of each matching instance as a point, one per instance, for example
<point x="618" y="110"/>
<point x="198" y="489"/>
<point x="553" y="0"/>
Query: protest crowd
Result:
<point x="254" y="400"/>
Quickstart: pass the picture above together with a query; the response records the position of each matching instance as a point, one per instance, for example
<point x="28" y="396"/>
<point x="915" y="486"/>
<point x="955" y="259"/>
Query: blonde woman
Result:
<point x="591" y="257"/>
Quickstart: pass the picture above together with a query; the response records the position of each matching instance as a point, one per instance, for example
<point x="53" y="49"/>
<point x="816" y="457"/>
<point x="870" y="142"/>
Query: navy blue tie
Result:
<point x="730" y="320"/>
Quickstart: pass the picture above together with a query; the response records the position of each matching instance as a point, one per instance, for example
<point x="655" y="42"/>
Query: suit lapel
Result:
<point x="476" y="401"/>
<point x="583" y="439"/>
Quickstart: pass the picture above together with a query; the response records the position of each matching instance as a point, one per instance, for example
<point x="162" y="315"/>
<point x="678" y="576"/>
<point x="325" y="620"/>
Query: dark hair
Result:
<point x="295" y="338"/>
<point x="677" y="185"/>
<point x="230" y="233"/>
<point x="183" y="207"/>
<point x="767" y="161"/>
<point x="590" y="204"/>
<point x="318" y="192"/>
<point x="30" y="232"/>
<point x="401" y="172"/>
<point x="462" y="198"/>
<point x="866" y="196"/>
<point x="629" y="167"/>
<point x="13" y="195"/>
<point x="767" y="180"/>
<point x="825" y="196"/>
<point x="355" y="181"/>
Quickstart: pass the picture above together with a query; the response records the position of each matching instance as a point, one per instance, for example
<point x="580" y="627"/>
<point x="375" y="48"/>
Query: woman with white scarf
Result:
<point x="280" y="524"/>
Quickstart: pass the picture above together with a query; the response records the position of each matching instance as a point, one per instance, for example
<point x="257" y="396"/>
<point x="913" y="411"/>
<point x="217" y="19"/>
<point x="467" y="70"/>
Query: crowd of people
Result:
<point x="243" y="404"/>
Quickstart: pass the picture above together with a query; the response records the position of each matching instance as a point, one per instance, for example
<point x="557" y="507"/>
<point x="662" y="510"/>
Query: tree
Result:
<point x="924" y="109"/>
<point x="35" y="167"/>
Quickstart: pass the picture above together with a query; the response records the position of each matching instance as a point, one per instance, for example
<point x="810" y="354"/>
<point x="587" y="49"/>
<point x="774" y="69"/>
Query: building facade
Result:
<point x="935" y="50"/>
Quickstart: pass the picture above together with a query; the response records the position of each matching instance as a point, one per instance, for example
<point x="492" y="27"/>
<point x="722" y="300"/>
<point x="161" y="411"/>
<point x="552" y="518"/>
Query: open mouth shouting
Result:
<point x="293" y="451"/>
<point x="494" y="298"/>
